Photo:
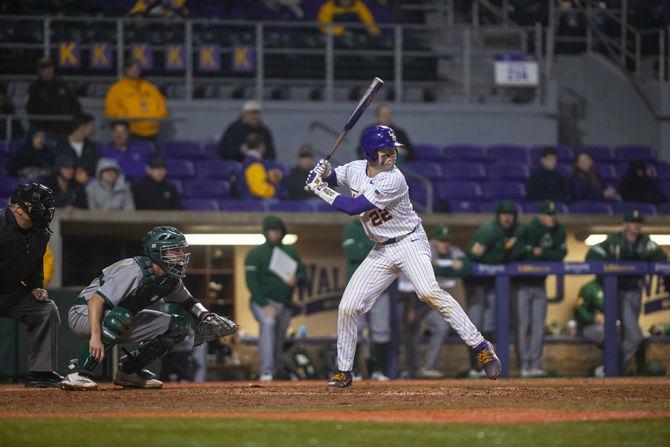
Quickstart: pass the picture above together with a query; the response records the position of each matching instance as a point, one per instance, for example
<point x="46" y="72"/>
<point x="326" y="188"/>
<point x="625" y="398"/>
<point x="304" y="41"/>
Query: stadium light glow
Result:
<point x="234" y="239"/>
<point x="660" y="239"/>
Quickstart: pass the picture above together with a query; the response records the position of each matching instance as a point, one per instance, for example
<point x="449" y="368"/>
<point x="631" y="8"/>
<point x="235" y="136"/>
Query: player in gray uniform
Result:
<point x="112" y="310"/>
<point x="381" y="199"/>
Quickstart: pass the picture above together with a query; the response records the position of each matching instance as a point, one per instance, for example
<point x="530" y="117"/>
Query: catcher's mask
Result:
<point x="36" y="201"/>
<point x="166" y="246"/>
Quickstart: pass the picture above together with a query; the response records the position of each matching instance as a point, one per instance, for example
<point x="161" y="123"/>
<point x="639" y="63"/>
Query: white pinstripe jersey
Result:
<point x="394" y="214"/>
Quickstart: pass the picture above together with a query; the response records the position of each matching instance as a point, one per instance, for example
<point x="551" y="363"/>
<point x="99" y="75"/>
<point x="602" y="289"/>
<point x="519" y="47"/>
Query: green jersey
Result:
<point x="590" y="302"/>
<point x="356" y="245"/>
<point x="491" y="244"/>
<point x="264" y="284"/>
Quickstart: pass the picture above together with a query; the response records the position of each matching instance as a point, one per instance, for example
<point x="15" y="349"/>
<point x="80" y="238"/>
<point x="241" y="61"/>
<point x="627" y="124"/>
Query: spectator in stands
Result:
<point x="78" y="145"/>
<point x="34" y="160"/>
<point x="296" y="178"/>
<point x="386" y="11"/>
<point x="341" y="11"/>
<point x="133" y="97"/>
<point x="638" y="186"/>
<point x="154" y="192"/>
<point x="590" y="315"/>
<point x="233" y="142"/>
<point x="271" y="295"/>
<point x="109" y="190"/>
<point x="629" y="245"/>
<point x="495" y="242"/>
<point x="586" y="184"/>
<point x="7" y="108"/>
<point x="132" y="158"/>
<point x="262" y="183"/>
<point x="67" y="192"/>
<point x="384" y="117"/>
<point x="49" y="95"/>
<point x="546" y="183"/>
<point x="544" y="240"/>
<point x="163" y="8"/>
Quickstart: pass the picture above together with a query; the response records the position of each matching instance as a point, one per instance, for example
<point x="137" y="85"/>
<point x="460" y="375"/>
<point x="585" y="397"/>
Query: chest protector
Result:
<point x="152" y="289"/>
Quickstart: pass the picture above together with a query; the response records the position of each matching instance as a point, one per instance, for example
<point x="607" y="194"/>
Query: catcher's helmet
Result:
<point x="37" y="201"/>
<point x="166" y="247"/>
<point x="376" y="138"/>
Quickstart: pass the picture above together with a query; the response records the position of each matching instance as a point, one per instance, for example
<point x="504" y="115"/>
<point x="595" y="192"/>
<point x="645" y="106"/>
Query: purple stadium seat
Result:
<point x="243" y="205"/>
<point x="463" y="206"/>
<point x="533" y="207"/>
<point x="565" y="153"/>
<point x="179" y="186"/>
<point x="465" y="152"/>
<point x="4" y="147"/>
<point x="206" y="188"/>
<point x="458" y="190"/>
<point x="7" y="185"/>
<point x="187" y="149"/>
<point x="501" y="190"/>
<point x="664" y="208"/>
<point x="463" y="171"/>
<point x="490" y="206"/>
<point x="15" y="144"/>
<point x="508" y="152"/>
<point x="635" y="152"/>
<point x="663" y="171"/>
<point x="428" y="152"/>
<point x="294" y="206"/>
<point x="646" y="209"/>
<point x="221" y="169"/>
<point x="590" y="208"/>
<point x="417" y="190"/>
<point x="4" y="160"/>
<point x="564" y="169"/>
<point x="200" y="204"/>
<point x="507" y="170"/>
<point x="211" y="149"/>
<point x="607" y="172"/>
<point x="597" y="152"/>
<point x="428" y="169"/>
<point x="179" y="169"/>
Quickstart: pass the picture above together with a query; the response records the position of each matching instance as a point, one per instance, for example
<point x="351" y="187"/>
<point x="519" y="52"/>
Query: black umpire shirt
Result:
<point x="21" y="256"/>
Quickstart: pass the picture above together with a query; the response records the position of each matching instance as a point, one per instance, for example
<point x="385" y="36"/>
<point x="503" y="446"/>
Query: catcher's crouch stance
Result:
<point x="112" y="310"/>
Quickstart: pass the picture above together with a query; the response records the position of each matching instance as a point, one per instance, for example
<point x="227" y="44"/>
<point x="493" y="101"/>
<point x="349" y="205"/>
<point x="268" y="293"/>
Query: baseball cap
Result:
<point x="441" y="233"/>
<point x="633" y="216"/>
<point x="547" y="207"/>
<point x="65" y="160"/>
<point x="45" y="62"/>
<point x="506" y="206"/>
<point x="156" y="162"/>
<point x="251" y="106"/>
<point x="306" y="151"/>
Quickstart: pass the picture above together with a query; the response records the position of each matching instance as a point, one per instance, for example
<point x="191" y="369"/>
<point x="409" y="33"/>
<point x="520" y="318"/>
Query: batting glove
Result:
<point x="313" y="181"/>
<point x="322" y="168"/>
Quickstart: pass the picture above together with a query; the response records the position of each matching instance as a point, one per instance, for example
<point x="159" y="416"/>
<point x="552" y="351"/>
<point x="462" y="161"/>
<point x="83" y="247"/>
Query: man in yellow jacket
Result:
<point x="342" y="11"/>
<point x="133" y="97"/>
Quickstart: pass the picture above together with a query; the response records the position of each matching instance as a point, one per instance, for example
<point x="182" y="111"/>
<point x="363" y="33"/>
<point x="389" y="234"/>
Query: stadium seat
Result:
<point x="597" y="152"/>
<point x="179" y="169"/>
<point x="465" y="152"/>
<point x="507" y="170"/>
<point x="508" y="153"/>
<point x="463" y="171"/>
<point x="15" y="144"/>
<point x="179" y="186"/>
<point x="428" y="169"/>
<point x="301" y="206"/>
<point x="182" y="149"/>
<point x="491" y="206"/>
<point x="200" y="204"/>
<point x="635" y="152"/>
<point x="463" y="206"/>
<point x="7" y="185"/>
<point x="647" y="209"/>
<point x="664" y="208"/>
<point x="534" y="207"/>
<point x="458" y="190"/>
<point x="417" y="190"/>
<point x="663" y="171"/>
<point x="587" y="207"/>
<point x="4" y="148"/>
<point x="608" y="173"/>
<point x="217" y="169"/>
<point x="243" y="205"/>
<point x="428" y="152"/>
<point x="501" y="190"/>
<point x="206" y="189"/>
<point x="564" y="169"/>
<point x="211" y="149"/>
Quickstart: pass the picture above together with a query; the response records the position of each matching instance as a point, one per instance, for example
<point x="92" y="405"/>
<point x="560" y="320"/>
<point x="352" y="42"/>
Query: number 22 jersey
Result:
<point x="394" y="215"/>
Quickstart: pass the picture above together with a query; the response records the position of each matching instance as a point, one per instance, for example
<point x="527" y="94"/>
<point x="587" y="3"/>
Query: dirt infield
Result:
<point x="500" y="402"/>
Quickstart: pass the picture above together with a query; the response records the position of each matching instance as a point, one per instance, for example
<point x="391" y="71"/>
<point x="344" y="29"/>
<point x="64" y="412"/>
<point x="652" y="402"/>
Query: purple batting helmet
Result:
<point x="376" y="138"/>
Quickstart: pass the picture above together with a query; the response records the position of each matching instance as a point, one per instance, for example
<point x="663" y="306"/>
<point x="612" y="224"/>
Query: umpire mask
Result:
<point x="36" y="201"/>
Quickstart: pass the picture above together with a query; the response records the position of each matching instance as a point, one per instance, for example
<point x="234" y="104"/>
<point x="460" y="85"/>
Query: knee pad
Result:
<point x="116" y="326"/>
<point x="178" y="329"/>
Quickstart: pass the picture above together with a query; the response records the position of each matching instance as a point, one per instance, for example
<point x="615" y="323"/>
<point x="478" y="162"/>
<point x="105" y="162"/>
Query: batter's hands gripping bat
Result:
<point x="362" y="105"/>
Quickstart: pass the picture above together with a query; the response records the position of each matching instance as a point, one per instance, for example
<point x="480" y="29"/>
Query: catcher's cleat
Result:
<point x="43" y="379"/>
<point x="341" y="379"/>
<point x="78" y="382"/>
<point x="143" y="379"/>
<point x="488" y="359"/>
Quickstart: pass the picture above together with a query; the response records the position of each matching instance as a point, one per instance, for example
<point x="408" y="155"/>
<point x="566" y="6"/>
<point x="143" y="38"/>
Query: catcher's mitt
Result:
<point x="213" y="326"/>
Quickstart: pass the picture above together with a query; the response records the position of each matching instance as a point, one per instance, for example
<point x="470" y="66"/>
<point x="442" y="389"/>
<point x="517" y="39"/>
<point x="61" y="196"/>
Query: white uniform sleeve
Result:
<point x="387" y="189"/>
<point x="341" y="173"/>
<point x="178" y="295"/>
<point x="120" y="282"/>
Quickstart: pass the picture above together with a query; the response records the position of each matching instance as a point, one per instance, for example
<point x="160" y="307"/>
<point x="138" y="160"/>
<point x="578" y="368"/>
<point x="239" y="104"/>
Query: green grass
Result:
<point x="253" y="433"/>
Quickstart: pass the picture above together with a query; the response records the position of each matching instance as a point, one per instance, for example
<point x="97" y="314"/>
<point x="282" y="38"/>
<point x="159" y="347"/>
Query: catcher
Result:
<point x="112" y="310"/>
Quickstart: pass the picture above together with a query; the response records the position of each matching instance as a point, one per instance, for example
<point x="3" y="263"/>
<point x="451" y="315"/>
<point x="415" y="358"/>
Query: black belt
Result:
<point x="393" y="240"/>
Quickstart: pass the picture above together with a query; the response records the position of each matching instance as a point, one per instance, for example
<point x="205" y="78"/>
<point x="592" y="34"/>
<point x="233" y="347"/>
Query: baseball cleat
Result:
<point x="43" y="379"/>
<point x="78" y="382"/>
<point x="143" y="379"/>
<point x="430" y="374"/>
<point x="341" y="379"/>
<point x="488" y="359"/>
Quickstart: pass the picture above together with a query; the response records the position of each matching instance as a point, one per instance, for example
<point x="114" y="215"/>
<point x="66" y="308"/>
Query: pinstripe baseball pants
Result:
<point x="411" y="256"/>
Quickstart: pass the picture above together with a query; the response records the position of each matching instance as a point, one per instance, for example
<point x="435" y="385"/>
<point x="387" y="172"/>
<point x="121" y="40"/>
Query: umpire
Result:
<point x="24" y="234"/>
